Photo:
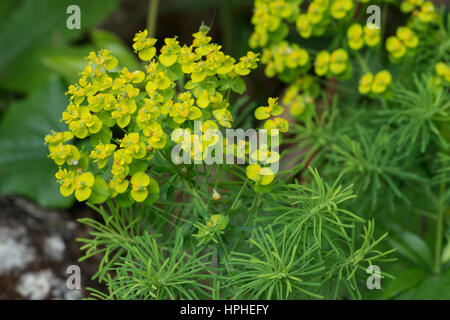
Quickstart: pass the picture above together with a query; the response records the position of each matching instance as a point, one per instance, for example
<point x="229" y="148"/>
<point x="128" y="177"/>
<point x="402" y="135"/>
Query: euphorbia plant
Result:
<point x="176" y="225"/>
<point x="370" y="103"/>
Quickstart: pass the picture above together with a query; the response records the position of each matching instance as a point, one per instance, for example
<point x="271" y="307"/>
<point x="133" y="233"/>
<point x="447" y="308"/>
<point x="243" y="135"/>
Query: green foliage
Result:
<point x="37" y="29"/>
<point x="295" y="242"/>
<point x="24" y="166"/>
<point x="149" y="271"/>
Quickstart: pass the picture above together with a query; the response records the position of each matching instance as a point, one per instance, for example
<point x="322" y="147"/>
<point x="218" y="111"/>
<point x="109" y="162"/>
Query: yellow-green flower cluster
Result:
<point x="404" y="40"/>
<point x="373" y="85"/>
<point x="214" y="227"/>
<point x="273" y="109"/>
<point x="300" y="95"/>
<point x="268" y="17"/>
<point x="281" y="57"/>
<point x="123" y="117"/>
<point x="333" y="64"/>
<point x="424" y="11"/>
<point x="358" y="36"/>
<point x="315" y="20"/>
<point x="341" y="9"/>
<point x="259" y="171"/>
<point x="410" y="5"/>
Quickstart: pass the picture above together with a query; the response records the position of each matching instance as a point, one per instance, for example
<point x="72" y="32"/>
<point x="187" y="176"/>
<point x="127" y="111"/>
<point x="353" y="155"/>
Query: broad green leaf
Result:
<point x="24" y="166"/>
<point x="413" y="248"/>
<point x="238" y="86"/>
<point x="435" y="287"/>
<point x="403" y="281"/>
<point x="67" y="62"/>
<point x="39" y="25"/>
<point x="100" y="191"/>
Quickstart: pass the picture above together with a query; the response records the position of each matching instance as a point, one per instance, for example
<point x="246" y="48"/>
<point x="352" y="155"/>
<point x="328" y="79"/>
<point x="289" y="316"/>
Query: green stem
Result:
<point x="253" y="209"/>
<point x="152" y="16"/>
<point x="362" y="63"/>
<point x="225" y="253"/>
<point x="440" y="229"/>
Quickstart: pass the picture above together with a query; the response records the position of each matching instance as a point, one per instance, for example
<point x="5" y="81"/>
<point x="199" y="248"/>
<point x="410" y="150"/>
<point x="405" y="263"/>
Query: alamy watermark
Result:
<point x="73" y="281"/>
<point x="374" y="20"/>
<point x="374" y="280"/>
<point x="209" y="146"/>
<point x="74" y="20"/>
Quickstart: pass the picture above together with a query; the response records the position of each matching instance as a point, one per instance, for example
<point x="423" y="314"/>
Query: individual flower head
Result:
<point x="304" y="27"/>
<point x="273" y="109"/>
<point x="68" y="153"/>
<point x="139" y="184"/>
<point x="365" y="84"/>
<point x="215" y="226"/>
<point x="121" y="160"/>
<point x="185" y="109"/>
<point x="340" y="8"/>
<point x="101" y="153"/>
<point x="210" y="132"/>
<point x="355" y="36"/>
<point x="156" y="138"/>
<point x="102" y="101"/>
<point x="103" y="59"/>
<point x="321" y="63"/>
<point x="186" y="58"/>
<point x="147" y="113"/>
<point x="372" y="36"/>
<point x="118" y="185"/>
<point x="395" y="47"/>
<point x="133" y="145"/>
<point x="81" y="122"/>
<point x="144" y="46"/>
<point x="264" y="155"/>
<point x="123" y="111"/>
<point x="246" y="63"/>
<point x="338" y="61"/>
<point x="83" y="184"/>
<point x="169" y="52"/>
<point x="224" y="117"/>
<point x="443" y="71"/>
<point x="206" y="97"/>
<point x="57" y="138"/>
<point x="276" y="124"/>
<point x="409" y="5"/>
<point x="135" y="77"/>
<point x="157" y="80"/>
<point x="408" y="37"/>
<point x="66" y="180"/>
<point x="261" y="176"/>
<point x="381" y="81"/>
<point x="202" y="41"/>
<point x="315" y="12"/>
<point x="427" y="12"/>
<point x="297" y="105"/>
